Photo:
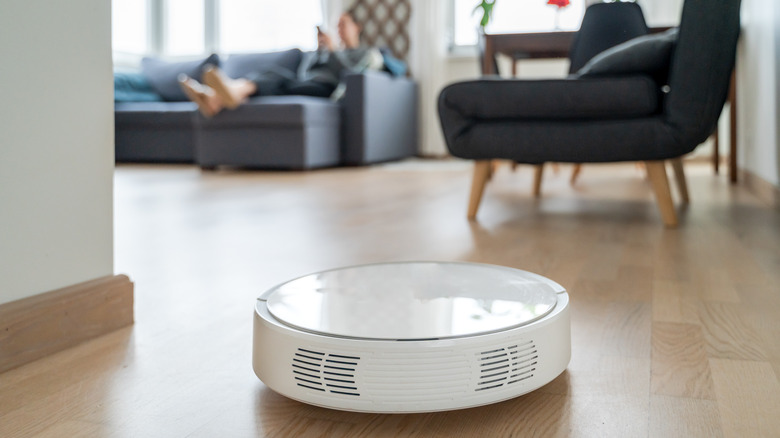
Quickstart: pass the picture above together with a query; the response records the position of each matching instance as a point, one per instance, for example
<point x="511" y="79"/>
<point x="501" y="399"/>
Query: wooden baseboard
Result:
<point x="762" y="188"/>
<point x="38" y="326"/>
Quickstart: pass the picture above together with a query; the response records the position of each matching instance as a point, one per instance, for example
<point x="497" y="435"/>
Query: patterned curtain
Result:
<point x="385" y="23"/>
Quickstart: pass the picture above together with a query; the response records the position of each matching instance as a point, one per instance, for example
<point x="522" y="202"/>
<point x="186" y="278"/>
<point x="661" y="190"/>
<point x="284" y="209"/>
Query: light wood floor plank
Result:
<point x="684" y="417"/>
<point x="748" y="396"/>
<point x="676" y="301"/>
<point x="765" y="318"/>
<point x="634" y="283"/>
<point x="716" y="285"/>
<point x="730" y="333"/>
<point x="609" y="417"/>
<point x="627" y="330"/>
<point x="75" y="429"/>
<point x="679" y="363"/>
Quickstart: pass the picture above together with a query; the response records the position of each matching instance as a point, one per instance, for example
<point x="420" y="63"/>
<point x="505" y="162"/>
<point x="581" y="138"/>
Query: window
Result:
<point x="251" y="25"/>
<point x="513" y="16"/>
<point x="182" y="28"/>
<point x="130" y="26"/>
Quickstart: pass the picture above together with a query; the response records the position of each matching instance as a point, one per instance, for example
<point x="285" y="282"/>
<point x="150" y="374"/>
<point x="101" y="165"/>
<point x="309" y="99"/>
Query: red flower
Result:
<point x="559" y="3"/>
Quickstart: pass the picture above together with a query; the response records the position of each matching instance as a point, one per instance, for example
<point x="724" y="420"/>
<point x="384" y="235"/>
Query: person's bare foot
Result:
<point x="209" y="103"/>
<point x="232" y="92"/>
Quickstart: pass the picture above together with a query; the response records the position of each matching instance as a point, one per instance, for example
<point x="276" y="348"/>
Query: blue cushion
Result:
<point x="393" y="65"/>
<point x="163" y="76"/>
<point x="133" y="87"/>
<point x="245" y="64"/>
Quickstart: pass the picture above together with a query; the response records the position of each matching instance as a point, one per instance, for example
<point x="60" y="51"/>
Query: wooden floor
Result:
<point x="676" y="333"/>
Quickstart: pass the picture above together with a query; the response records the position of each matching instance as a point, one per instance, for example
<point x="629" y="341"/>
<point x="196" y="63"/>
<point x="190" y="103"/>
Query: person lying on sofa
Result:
<point x="321" y="76"/>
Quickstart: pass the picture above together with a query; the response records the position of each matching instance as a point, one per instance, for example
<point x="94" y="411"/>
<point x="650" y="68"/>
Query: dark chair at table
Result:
<point x="651" y="99"/>
<point x="604" y="26"/>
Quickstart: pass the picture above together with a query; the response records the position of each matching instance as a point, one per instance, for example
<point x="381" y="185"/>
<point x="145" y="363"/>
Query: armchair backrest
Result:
<point x="701" y="66"/>
<point x="605" y="25"/>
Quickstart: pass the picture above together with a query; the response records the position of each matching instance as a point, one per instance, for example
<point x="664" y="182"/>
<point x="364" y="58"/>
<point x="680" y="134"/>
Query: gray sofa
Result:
<point x="375" y="121"/>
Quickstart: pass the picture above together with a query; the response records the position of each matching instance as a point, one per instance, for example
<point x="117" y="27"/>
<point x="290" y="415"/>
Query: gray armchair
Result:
<point x="619" y="109"/>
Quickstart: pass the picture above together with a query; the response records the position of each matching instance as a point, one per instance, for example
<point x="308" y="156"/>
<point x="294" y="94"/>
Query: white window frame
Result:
<point x="470" y="49"/>
<point x="156" y="35"/>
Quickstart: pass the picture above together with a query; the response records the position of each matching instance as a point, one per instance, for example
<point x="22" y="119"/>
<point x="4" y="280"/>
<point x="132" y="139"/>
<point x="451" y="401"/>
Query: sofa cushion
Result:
<point x="242" y="65"/>
<point x="133" y="87"/>
<point x="278" y="111"/>
<point x="155" y="114"/>
<point x="393" y="65"/>
<point x="648" y="54"/>
<point x="163" y="76"/>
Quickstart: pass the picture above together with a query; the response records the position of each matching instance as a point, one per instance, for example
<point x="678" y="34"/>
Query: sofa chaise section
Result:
<point x="272" y="132"/>
<point x="159" y="132"/>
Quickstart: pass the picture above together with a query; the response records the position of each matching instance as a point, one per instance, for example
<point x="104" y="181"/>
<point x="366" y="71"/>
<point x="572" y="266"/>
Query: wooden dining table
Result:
<point x="556" y="44"/>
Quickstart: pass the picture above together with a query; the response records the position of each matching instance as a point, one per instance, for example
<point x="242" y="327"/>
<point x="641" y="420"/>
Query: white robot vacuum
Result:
<point x="411" y="337"/>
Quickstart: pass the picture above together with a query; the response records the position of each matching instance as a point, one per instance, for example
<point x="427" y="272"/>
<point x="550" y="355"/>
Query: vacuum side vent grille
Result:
<point x="325" y="372"/>
<point x="506" y="365"/>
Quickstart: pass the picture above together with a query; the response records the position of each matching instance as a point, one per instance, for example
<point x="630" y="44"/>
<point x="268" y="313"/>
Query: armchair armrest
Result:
<point x="557" y="99"/>
<point x="380" y="118"/>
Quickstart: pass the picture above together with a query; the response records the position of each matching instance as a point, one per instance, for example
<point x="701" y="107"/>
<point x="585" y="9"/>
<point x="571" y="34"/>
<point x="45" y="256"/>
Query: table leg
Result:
<point x="733" y="128"/>
<point x="716" y="151"/>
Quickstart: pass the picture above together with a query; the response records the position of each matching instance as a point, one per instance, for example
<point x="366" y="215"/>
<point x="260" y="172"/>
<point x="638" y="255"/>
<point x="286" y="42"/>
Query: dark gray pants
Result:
<point x="282" y="82"/>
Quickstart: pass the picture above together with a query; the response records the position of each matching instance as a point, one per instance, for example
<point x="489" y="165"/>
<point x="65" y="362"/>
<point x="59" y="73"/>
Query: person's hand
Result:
<point x="324" y="41"/>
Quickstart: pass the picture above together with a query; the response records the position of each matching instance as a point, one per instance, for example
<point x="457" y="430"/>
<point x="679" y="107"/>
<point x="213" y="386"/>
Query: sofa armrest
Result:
<point x="380" y="118"/>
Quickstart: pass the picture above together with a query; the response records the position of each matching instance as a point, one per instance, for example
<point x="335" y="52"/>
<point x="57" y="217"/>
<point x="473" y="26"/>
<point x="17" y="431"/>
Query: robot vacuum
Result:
<point x="411" y="337"/>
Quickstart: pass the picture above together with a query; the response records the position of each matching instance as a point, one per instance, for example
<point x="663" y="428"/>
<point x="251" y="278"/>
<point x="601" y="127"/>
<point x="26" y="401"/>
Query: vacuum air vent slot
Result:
<point x="507" y="365"/>
<point x="325" y="372"/>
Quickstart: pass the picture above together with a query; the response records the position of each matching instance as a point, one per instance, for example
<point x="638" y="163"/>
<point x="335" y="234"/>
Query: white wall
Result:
<point x="427" y="61"/>
<point x="661" y="12"/>
<point x="56" y="145"/>
<point x="758" y="88"/>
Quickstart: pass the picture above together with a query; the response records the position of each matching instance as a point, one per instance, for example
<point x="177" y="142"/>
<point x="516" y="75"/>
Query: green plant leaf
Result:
<point x="486" y="7"/>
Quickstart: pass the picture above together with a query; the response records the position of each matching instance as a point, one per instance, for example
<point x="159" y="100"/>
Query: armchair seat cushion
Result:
<point x="559" y="99"/>
<point x="592" y="141"/>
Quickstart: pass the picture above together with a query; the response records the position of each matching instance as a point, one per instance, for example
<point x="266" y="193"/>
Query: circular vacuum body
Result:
<point x="411" y="337"/>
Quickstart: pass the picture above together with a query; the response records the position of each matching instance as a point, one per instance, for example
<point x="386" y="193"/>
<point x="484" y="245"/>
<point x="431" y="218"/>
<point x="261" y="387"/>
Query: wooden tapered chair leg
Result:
<point x="493" y="168"/>
<point x="656" y="170"/>
<point x="482" y="171"/>
<point x="538" y="171"/>
<point x="679" y="176"/>
<point x="575" y="173"/>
